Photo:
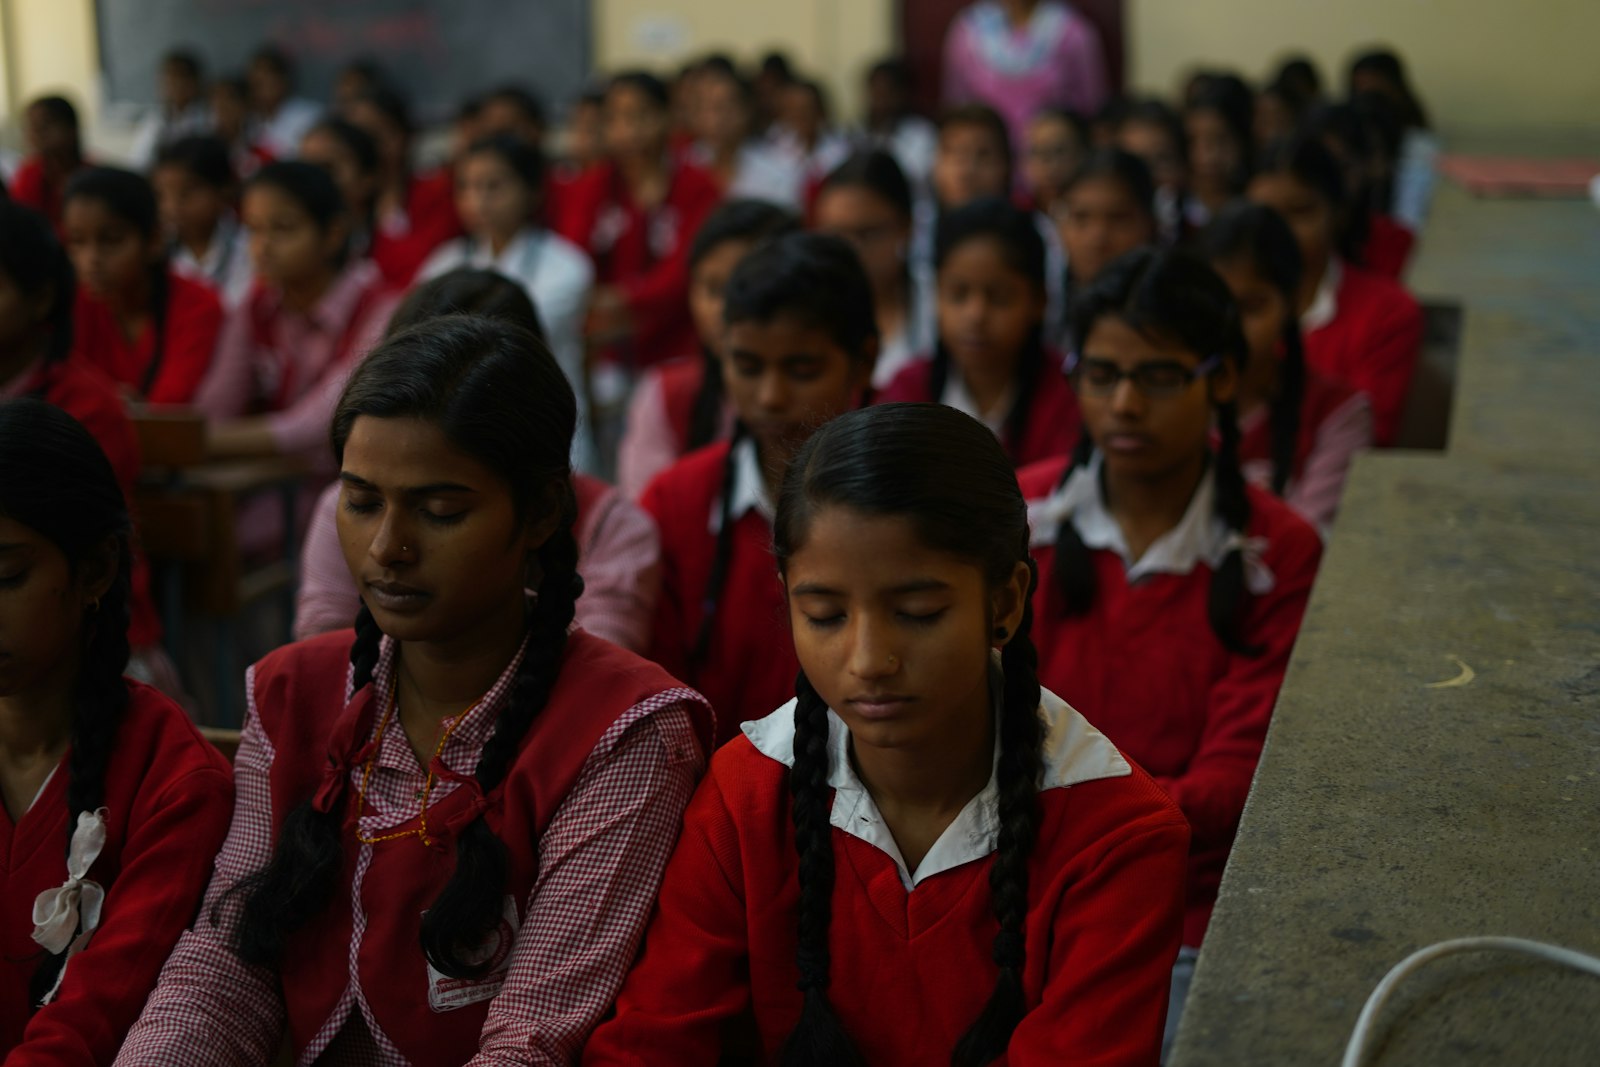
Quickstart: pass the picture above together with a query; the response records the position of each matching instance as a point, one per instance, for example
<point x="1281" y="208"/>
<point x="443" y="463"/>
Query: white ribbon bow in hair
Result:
<point x="1258" y="577"/>
<point x="58" y="912"/>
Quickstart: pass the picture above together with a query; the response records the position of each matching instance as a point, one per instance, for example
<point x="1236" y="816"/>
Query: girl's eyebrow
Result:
<point x="916" y="585"/>
<point x="430" y="489"/>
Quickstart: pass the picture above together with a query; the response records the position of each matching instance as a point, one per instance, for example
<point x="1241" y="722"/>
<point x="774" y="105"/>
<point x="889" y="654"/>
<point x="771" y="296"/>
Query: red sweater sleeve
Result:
<point x="1213" y="789"/>
<point x="1393" y="347"/>
<point x="166" y="864"/>
<point x="194" y="320"/>
<point x="1115" y="934"/>
<point x="693" y="975"/>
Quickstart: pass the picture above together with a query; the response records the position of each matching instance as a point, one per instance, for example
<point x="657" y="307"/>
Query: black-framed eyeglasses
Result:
<point x="1159" y="380"/>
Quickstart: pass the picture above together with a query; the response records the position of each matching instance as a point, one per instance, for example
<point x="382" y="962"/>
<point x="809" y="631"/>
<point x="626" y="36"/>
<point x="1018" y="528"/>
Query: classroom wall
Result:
<point x="47" y="46"/>
<point x="1499" y="70"/>
<point x="834" y="40"/>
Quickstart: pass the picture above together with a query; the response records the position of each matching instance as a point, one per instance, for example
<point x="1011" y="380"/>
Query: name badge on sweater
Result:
<point x="447" y="994"/>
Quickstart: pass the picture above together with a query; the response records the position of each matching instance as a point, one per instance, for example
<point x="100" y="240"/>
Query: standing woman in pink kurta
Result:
<point x="1019" y="56"/>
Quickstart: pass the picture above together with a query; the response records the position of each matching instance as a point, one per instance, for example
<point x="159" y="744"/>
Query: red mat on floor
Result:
<point x="1512" y="176"/>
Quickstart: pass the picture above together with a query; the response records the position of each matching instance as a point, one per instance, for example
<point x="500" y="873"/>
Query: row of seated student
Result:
<point x="1199" y="402"/>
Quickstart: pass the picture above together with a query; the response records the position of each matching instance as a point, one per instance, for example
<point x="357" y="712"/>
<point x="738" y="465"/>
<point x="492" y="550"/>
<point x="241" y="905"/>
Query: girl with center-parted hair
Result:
<point x="925" y="857"/>
<point x="111" y="803"/>
<point x="452" y="821"/>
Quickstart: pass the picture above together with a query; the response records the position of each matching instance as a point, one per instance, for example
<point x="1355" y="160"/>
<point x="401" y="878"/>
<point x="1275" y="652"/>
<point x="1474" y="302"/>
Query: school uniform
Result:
<point x="1053" y="424"/>
<point x="759" y="173"/>
<point x="167" y="793"/>
<point x="163" y="126"/>
<point x="644" y="251"/>
<point x="33" y="187"/>
<point x="1144" y="665"/>
<point x="281" y="132"/>
<point x="1365" y="331"/>
<point x="188" y="340"/>
<point x="403" y="240"/>
<point x="1335" y="424"/>
<point x="749" y="666"/>
<point x="292" y="365"/>
<point x="913" y="141"/>
<point x="588" y="812"/>
<point x="619" y="557"/>
<point x="85" y="393"/>
<point x="658" y="423"/>
<point x="912" y="951"/>
<point x="1388" y="248"/>
<point x="558" y="278"/>
<point x="224" y="266"/>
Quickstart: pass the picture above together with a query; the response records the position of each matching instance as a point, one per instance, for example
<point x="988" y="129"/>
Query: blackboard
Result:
<point x="438" y="51"/>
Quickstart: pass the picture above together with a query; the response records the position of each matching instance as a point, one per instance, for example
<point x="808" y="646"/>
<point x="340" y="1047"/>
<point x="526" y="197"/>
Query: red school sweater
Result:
<point x="1372" y="343"/>
<point x="1053" y="425"/>
<point x="193" y="321"/>
<point x="1145" y="667"/>
<point x="1388" y="247"/>
<point x="644" y="251"/>
<point x="910" y="970"/>
<point x="168" y="799"/>
<point x="750" y="664"/>
<point x="430" y="221"/>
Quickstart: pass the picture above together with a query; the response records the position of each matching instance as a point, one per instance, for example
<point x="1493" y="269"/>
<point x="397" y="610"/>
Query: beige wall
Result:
<point x="1485" y="68"/>
<point x="48" y="46"/>
<point x="834" y="40"/>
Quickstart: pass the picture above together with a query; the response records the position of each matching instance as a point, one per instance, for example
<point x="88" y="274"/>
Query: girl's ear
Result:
<point x="862" y="367"/>
<point x="335" y="237"/>
<point x="98" y="570"/>
<point x="1223" y="383"/>
<point x="537" y="531"/>
<point x="1007" y="603"/>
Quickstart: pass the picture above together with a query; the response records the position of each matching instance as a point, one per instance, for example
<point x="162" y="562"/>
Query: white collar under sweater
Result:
<point x="1074" y="752"/>
<point x="748" y="491"/>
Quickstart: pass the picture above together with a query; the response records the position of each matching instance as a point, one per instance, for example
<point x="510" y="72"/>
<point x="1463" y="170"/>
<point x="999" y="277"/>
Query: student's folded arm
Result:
<point x="192" y="343"/>
<point x="1320" y="487"/>
<point x="1213" y="789"/>
<point x="693" y="975"/>
<point x="1115" y="935"/>
<point x="600" y="865"/>
<point x="165" y="865"/>
<point x="621" y="571"/>
<point x="209" y="1007"/>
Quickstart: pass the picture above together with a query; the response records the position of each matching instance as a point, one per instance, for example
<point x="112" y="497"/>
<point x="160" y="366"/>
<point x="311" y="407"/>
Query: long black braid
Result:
<point x="722" y="554"/>
<point x="946" y="473"/>
<point x="55" y="480"/>
<point x="36" y="264"/>
<point x="160" y="292"/>
<point x="1174" y="295"/>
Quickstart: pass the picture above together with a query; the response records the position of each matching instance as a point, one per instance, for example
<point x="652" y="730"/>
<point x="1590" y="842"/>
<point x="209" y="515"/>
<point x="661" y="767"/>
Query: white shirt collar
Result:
<point x="1074" y="752"/>
<point x="748" y="491"/>
<point x="1201" y="536"/>
<point x="1326" y="303"/>
<point x="957" y="395"/>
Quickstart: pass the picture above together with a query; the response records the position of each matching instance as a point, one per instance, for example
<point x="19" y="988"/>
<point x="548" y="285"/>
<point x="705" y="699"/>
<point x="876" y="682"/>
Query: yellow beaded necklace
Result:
<point x="421" y="831"/>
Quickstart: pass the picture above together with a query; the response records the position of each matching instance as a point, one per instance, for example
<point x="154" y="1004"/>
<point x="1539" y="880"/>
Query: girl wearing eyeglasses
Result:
<point x="991" y="361"/>
<point x="1170" y="592"/>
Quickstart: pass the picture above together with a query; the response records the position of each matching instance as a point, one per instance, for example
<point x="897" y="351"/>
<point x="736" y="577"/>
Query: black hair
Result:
<point x="1298" y="75"/>
<point x="945" y="473"/>
<point x="353" y="138"/>
<point x="1175" y="296"/>
<point x="55" y="480"/>
<point x="1388" y="65"/>
<point x="1230" y="99"/>
<point x="1354" y="141"/>
<point x="186" y="60"/>
<point x="1257" y="235"/>
<point x="130" y="198"/>
<point x="496" y="393"/>
<point x="368" y="69"/>
<point x="235" y="84"/>
<point x="744" y="221"/>
<point x="519" y="97"/>
<point x="203" y="156"/>
<point x="309" y="186"/>
<point x="469" y="291"/>
<point x="816" y="279"/>
<point x="1160" y="114"/>
<point x="819" y="96"/>
<point x="32" y="257"/>
<point x="777" y="64"/>
<point x="1305" y="158"/>
<point x="270" y="55"/>
<point x="1124" y="168"/>
<point x="1076" y="122"/>
<point x="988" y="119"/>
<point x="720" y="63"/>
<point x="392" y="105"/>
<point x="645" y="84"/>
<point x="877" y="171"/>
<point x="1022" y="249"/>
<point x="59" y="110"/>
<point x="896" y="70"/>
<point x="525" y="160"/>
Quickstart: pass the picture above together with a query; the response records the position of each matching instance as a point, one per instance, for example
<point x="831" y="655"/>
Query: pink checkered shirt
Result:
<point x="609" y="841"/>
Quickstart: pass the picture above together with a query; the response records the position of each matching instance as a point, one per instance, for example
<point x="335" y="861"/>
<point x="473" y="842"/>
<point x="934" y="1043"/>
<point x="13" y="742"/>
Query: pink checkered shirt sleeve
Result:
<point x="620" y="563"/>
<point x="209" y="1009"/>
<point x="600" y="864"/>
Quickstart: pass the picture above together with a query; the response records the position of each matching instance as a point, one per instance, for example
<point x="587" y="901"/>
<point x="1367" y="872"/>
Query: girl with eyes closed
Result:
<point x="925" y="857"/>
<point x="429" y="807"/>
